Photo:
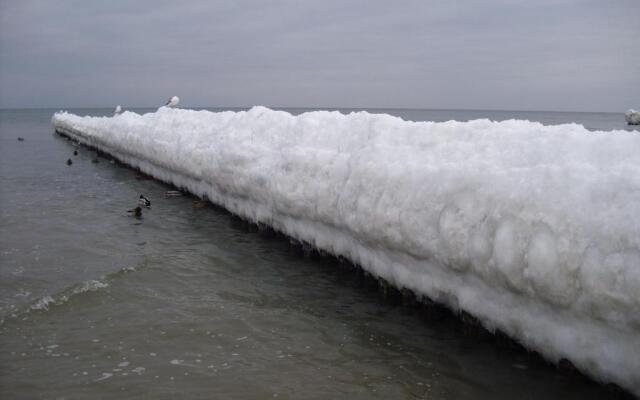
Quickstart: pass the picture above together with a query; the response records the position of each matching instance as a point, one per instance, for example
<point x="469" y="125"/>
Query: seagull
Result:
<point x="117" y="111"/>
<point x="143" y="201"/>
<point x="173" y="101"/>
<point x="632" y="117"/>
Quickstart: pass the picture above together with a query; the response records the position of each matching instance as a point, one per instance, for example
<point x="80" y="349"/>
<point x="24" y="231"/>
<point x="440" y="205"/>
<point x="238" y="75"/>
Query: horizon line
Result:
<point x="317" y="108"/>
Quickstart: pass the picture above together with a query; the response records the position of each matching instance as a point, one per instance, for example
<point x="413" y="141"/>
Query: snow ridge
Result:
<point x="533" y="229"/>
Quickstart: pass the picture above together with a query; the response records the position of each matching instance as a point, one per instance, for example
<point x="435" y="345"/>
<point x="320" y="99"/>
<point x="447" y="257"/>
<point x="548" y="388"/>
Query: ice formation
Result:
<point x="632" y="117"/>
<point x="533" y="229"/>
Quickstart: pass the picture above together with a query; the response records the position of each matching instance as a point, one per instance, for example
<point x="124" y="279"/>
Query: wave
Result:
<point x="48" y="302"/>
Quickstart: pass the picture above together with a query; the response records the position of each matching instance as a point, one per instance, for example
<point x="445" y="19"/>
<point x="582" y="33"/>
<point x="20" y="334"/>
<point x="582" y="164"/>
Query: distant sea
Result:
<point x="190" y="302"/>
<point x="591" y="120"/>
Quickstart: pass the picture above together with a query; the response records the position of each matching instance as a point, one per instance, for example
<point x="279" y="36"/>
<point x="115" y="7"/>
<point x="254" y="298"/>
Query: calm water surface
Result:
<point x="188" y="303"/>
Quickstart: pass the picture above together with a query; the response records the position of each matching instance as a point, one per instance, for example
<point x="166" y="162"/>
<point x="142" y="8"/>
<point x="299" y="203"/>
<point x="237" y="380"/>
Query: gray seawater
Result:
<point x="188" y="302"/>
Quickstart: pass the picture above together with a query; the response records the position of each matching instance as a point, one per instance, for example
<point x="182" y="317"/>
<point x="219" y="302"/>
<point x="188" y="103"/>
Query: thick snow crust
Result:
<point x="533" y="229"/>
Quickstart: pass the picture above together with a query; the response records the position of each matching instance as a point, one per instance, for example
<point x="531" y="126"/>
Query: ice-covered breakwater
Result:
<point x="534" y="230"/>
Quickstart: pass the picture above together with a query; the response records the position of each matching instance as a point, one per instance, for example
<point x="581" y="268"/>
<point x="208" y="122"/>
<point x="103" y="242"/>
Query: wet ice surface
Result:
<point x="187" y="302"/>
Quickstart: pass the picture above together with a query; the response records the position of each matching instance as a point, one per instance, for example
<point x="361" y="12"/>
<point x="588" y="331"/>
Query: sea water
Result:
<point x="188" y="302"/>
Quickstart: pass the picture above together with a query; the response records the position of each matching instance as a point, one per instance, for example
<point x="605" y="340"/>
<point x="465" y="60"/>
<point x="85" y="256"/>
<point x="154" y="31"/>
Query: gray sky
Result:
<point x="579" y="55"/>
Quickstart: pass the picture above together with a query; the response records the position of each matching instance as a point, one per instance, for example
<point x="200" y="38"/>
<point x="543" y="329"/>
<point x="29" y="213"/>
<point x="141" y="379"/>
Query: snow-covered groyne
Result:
<point x="534" y="230"/>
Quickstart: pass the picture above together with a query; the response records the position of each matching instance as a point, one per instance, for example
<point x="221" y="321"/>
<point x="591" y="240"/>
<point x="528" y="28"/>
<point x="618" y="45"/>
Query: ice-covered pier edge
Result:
<point x="534" y="230"/>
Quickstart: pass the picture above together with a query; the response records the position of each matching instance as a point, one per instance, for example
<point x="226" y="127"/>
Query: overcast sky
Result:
<point x="579" y="55"/>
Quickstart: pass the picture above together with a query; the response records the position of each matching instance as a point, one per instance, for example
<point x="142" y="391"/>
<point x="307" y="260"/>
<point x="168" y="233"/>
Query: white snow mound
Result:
<point x="533" y="229"/>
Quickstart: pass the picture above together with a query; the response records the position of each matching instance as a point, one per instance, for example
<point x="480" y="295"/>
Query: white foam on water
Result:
<point x="105" y="375"/>
<point x="533" y="229"/>
<point x="45" y="303"/>
<point x="89" y="286"/>
<point x="139" y="370"/>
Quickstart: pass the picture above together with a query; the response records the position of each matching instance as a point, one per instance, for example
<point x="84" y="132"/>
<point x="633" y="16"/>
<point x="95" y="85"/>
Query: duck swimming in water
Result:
<point x="137" y="212"/>
<point x="200" y="203"/>
<point x="143" y="201"/>
<point x="69" y="162"/>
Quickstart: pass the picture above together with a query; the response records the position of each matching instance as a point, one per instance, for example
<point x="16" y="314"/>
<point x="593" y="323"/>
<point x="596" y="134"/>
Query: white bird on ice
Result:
<point x="173" y="101"/>
<point x="118" y="110"/>
<point x="632" y="117"/>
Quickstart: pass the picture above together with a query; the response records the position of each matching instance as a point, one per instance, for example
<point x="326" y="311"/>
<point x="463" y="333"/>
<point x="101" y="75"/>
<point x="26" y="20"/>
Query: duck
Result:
<point x="200" y="203"/>
<point x="173" y="101"/>
<point x="137" y="212"/>
<point x="69" y="162"/>
<point x="143" y="201"/>
<point x="75" y="152"/>
<point x="20" y="139"/>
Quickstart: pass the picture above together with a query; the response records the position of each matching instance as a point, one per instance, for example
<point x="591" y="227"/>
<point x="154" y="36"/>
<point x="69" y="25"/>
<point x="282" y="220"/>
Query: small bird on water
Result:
<point x="173" y="101"/>
<point x="20" y="139"/>
<point x="69" y="162"/>
<point x="143" y="201"/>
<point x="200" y="203"/>
<point x="117" y="111"/>
<point x="75" y="152"/>
<point x="137" y="212"/>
